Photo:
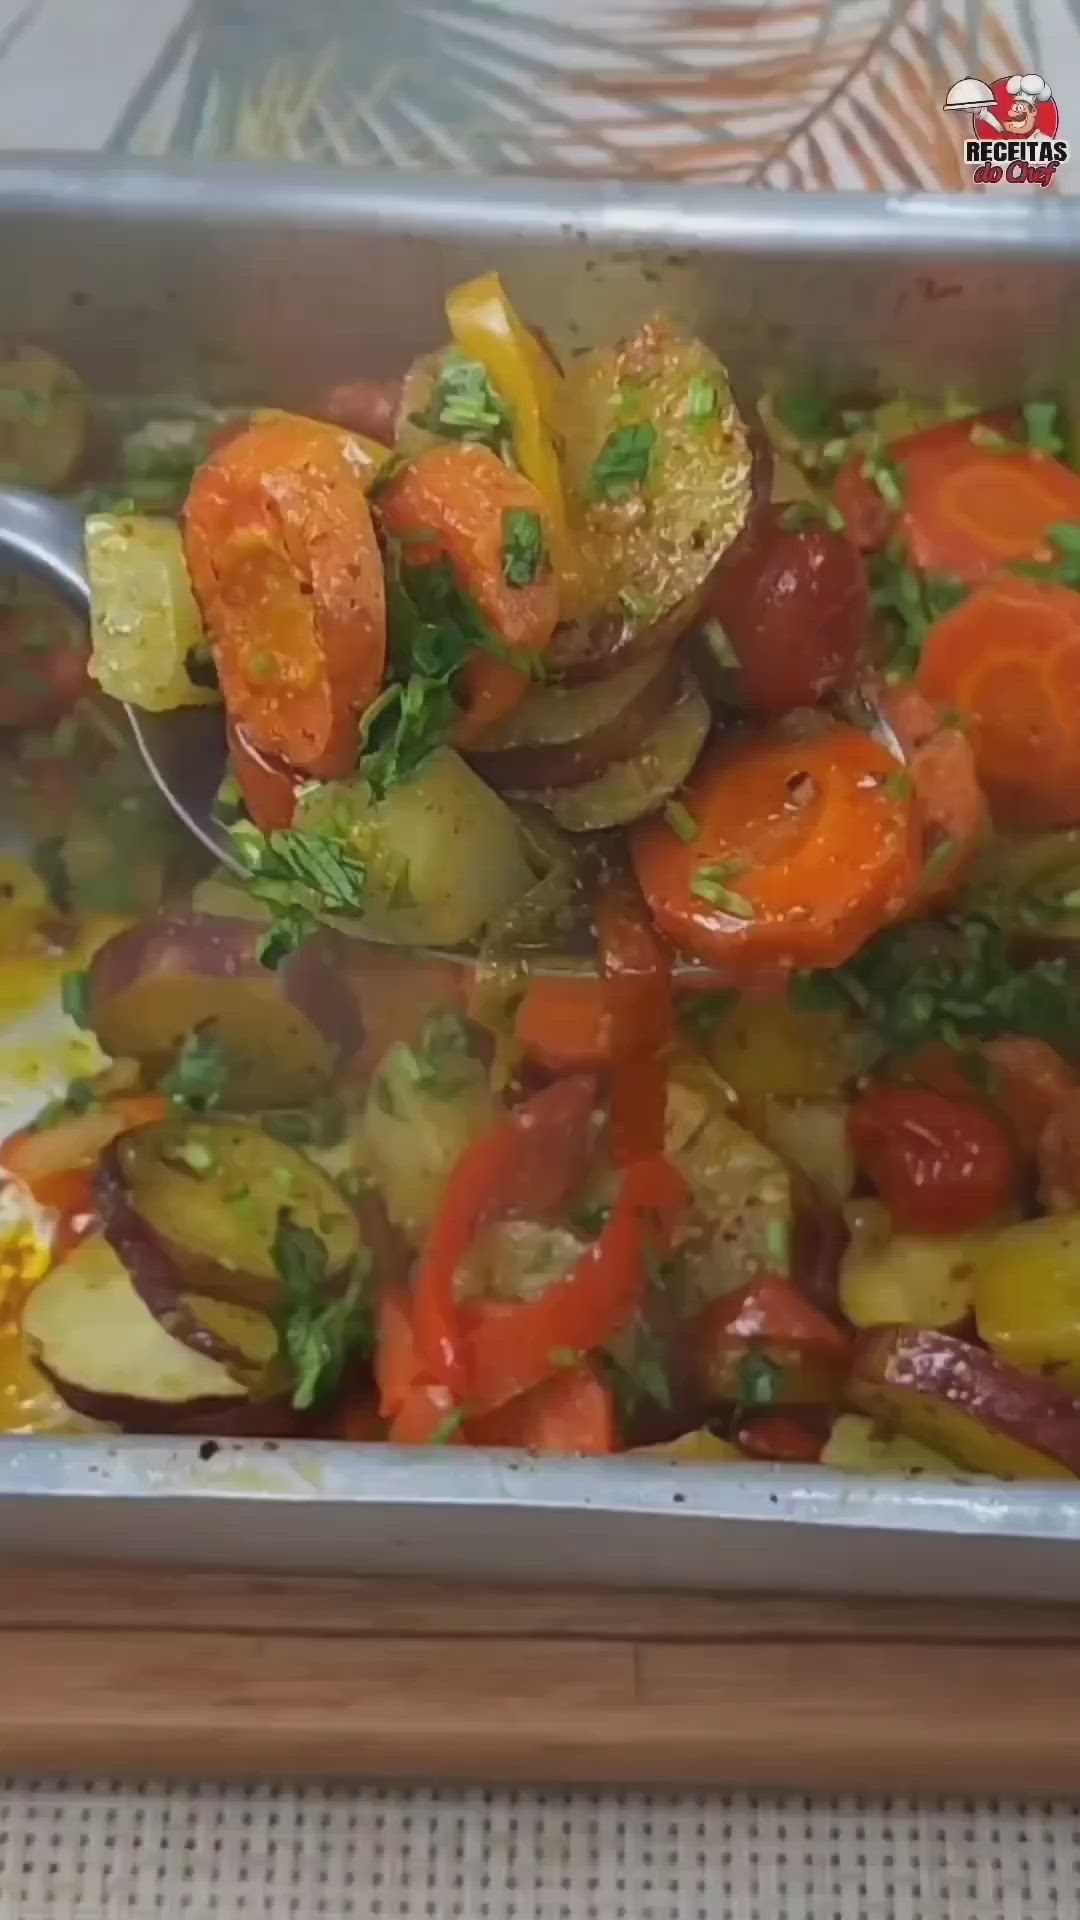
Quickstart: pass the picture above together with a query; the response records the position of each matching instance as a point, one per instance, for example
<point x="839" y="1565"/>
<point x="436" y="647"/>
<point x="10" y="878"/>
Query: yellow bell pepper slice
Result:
<point x="1027" y="1296"/>
<point x="486" y="328"/>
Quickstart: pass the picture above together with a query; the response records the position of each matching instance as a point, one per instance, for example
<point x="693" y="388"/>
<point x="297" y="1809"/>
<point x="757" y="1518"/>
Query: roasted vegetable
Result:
<point x="1027" y="1296"/>
<point x="743" y="1207"/>
<point x="657" y="470"/>
<point x="908" y="1279"/>
<point x="967" y="1404"/>
<point x="42" y="420"/>
<point x="769" y="1047"/>
<point x="213" y="1192"/>
<point x="441" y="853"/>
<point x="109" y="1357"/>
<point x="145" y="628"/>
<point x="627" y="790"/>
<point x="281" y="1035"/>
<point x="768" y="1346"/>
<point x="856" y="1445"/>
<point x="424" y="1106"/>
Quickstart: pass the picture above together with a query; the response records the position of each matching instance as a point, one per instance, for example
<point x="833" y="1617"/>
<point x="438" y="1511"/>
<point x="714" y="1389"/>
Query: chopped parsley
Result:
<point x="75" y="998"/>
<point x="622" y="464"/>
<point x="298" y="875"/>
<point x="955" y="981"/>
<point x="1041" y="426"/>
<point x="888" y="477"/>
<point x="711" y="883"/>
<point x="638" y="1372"/>
<point x="1064" y="569"/>
<point x="441" y="1064"/>
<point x="702" y="401"/>
<point x="434" y="627"/>
<point x="465" y="406"/>
<point x="806" y="410"/>
<point x="199" y="1076"/>
<point x="523" y="553"/>
<point x="319" y="1328"/>
<point x="450" y="1424"/>
<point x="778" y="1243"/>
<point x="681" y="820"/>
<point x="908" y="604"/>
<point x="320" y="1125"/>
<point x="759" y="1380"/>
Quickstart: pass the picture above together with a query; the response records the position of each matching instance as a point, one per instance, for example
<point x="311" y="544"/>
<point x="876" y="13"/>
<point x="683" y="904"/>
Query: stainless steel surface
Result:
<point x="251" y="284"/>
<point x="43" y="537"/>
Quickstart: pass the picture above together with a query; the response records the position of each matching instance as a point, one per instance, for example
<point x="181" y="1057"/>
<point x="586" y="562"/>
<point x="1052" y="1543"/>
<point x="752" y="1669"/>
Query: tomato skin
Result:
<point x="795" y="606"/>
<point x="939" y="1163"/>
<point x="780" y="1436"/>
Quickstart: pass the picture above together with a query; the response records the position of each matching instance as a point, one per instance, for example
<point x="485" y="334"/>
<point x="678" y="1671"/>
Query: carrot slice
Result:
<point x="461" y="496"/>
<point x="945" y="781"/>
<point x="803" y="849"/>
<point x="1009" y="658"/>
<point x="287" y="572"/>
<point x="971" y="509"/>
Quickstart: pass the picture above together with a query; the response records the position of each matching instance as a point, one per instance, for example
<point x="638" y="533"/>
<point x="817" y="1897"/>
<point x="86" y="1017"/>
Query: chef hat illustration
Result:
<point x="1029" y="86"/>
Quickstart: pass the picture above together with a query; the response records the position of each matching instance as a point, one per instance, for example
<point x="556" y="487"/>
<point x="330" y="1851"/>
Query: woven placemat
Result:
<point x="95" y="1850"/>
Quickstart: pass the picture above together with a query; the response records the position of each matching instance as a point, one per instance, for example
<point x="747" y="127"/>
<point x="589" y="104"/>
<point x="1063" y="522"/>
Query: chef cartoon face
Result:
<point x="1027" y="92"/>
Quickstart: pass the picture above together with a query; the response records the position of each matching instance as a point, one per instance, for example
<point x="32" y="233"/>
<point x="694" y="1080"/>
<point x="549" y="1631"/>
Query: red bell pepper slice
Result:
<point x="573" y="1412"/>
<point x="635" y="971"/>
<point x="528" y="1164"/>
<point x="510" y="1349"/>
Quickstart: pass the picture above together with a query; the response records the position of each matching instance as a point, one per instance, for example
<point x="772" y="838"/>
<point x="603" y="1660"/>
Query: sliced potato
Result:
<point x="856" y="1445"/>
<point x="414" y="1132"/>
<point x="104" y="1350"/>
<point x="647" y="547"/>
<point x="702" y="1447"/>
<point x="443" y="852"/>
<point x="910" y="1280"/>
<point x="811" y="1135"/>
<point x="213" y="1191"/>
<point x="967" y="1404"/>
<point x="768" y="1047"/>
<point x="42" y="420"/>
<point x="741" y="1189"/>
<point x="144" y="624"/>
<point x="629" y="789"/>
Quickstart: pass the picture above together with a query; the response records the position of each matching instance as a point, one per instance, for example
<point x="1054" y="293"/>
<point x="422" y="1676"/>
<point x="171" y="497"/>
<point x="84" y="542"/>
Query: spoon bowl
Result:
<point x="186" y="751"/>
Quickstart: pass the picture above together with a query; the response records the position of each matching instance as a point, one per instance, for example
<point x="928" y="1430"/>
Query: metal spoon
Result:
<point x="184" y="751"/>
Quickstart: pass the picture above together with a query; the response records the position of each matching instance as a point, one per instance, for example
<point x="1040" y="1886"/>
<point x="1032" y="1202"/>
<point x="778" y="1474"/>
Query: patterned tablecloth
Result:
<point x="773" y="93"/>
<point x="783" y="93"/>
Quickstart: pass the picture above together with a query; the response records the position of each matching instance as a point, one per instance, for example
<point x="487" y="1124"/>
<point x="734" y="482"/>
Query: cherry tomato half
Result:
<point x="795" y="606"/>
<point x="940" y="1164"/>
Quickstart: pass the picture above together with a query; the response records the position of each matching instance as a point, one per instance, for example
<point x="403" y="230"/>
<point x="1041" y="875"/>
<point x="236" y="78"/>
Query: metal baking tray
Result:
<point x="244" y="283"/>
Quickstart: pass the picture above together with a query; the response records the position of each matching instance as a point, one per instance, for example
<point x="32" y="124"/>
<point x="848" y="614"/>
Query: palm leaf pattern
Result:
<point x="776" y="93"/>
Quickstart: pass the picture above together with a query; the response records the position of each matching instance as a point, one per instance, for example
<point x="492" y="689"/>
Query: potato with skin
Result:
<point x="966" y="1404"/>
<point x="42" y="420"/>
<point x="415" y="1129"/>
<point x="283" y="1034"/>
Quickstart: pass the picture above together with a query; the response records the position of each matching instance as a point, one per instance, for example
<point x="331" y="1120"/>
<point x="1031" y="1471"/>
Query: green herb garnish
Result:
<point x="711" y="882"/>
<point x="75" y="998"/>
<point x="320" y="1125"/>
<point x="702" y="401"/>
<point x="1064" y="569"/>
<point x="638" y="1372"/>
<point x="759" y="1381"/>
<point x="1041" y="426"/>
<point x="441" y="1064"/>
<point x="622" y="465"/>
<point x="681" y="820"/>
<point x="909" y="604"/>
<point x="465" y="406"/>
<point x="954" y="982"/>
<point x="319" y="1328"/>
<point x="805" y="410"/>
<point x="199" y="1075"/>
<point x="298" y="875"/>
<point x="778" y="1243"/>
<point x="523" y="553"/>
<point x="450" y="1424"/>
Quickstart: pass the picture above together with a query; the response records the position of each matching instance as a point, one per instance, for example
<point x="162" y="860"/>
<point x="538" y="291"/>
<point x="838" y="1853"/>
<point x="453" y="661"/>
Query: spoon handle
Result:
<point x="44" y="537"/>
